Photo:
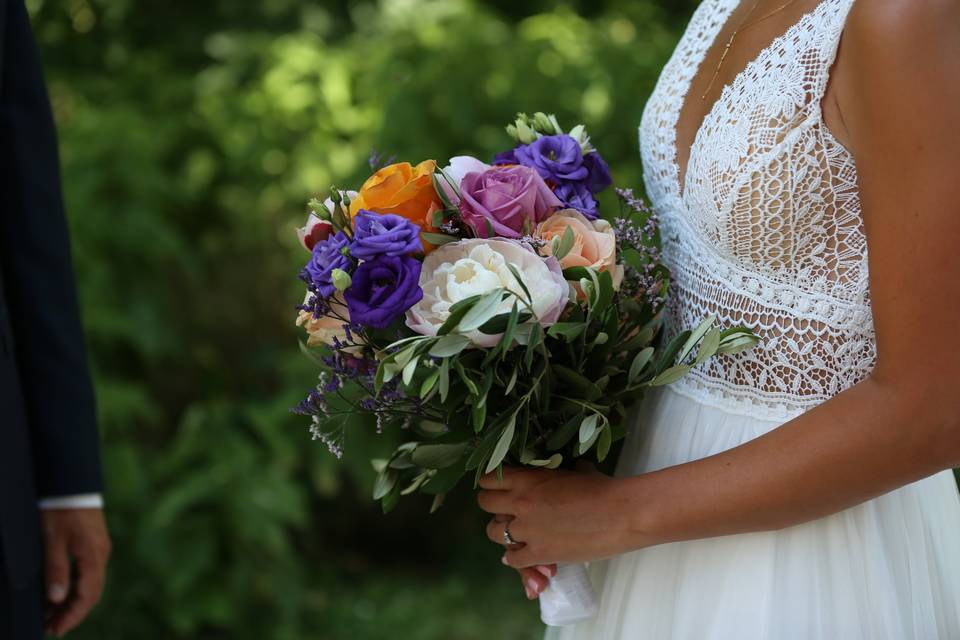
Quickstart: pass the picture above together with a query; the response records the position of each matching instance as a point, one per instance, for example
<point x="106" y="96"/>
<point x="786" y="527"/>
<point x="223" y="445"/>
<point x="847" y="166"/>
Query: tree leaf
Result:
<point x="552" y="462"/>
<point x="478" y="416"/>
<point x="588" y="427"/>
<point x="561" y="436"/>
<point x="695" y="336"/>
<point x="566" y="243"/>
<point x="429" y="383"/>
<point x="512" y="382"/>
<point x="449" y="345"/>
<point x="639" y="362"/>
<point x="536" y="337"/>
<point x="438" y="456"/>
<point x="605" y="292"/>
<point x="384" y="483"/>
<point x="581" y="383"/>
<point x="503" y="444"/>
<point x="438" y="239"/>
<point x="471" y="385"/>
<point x="737" y="340"/>
<point x="708" y="347"/>
<point x="506" y="342"/>
<point x="410" y="369"/>
<point x="498" y="323"/>
<point x="482" y="311"/>
<point x="669" y="353"/>
<point x="670" y="375"/>
<point x="575" y="274"/>
<point x="519" y="279"/>
<point x="567" y="330"/>
<point x="444" y="380"/>
<point x="457" y="311"/>
<point x="604" y="441"/>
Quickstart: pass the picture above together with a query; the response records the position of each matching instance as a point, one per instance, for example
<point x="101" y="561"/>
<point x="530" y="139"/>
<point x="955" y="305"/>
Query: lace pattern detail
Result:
<point x="766" y="230"/>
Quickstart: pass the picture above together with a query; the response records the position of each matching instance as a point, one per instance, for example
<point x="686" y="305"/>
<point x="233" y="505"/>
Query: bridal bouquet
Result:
<point x="489" y="312"/>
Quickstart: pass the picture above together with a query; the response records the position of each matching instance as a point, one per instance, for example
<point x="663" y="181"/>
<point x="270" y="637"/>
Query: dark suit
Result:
<point x="48" y="439"/>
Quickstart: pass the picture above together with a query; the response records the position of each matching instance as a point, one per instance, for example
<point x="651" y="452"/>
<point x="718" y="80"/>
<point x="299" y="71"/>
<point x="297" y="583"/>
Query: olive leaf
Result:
<point x="503" y="444"/>
<point x="438" y="456"/>
<point x="483" y="310"/>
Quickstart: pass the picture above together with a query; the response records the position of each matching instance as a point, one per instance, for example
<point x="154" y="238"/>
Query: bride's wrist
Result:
<point x="641" y="505"/>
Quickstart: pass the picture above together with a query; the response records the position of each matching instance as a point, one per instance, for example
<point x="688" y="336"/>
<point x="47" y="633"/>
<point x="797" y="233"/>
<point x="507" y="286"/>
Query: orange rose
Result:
<point x="594" y="243"/>
<point x="404" y="190"/>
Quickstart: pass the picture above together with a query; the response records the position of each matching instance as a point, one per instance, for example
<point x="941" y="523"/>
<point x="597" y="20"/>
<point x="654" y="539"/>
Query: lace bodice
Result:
<point x="767" y="230"/>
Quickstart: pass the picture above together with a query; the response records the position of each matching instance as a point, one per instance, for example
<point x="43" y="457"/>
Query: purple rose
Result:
<point x="327" y="255"/>
<point x="505" y="201"/>
<point x="576" y="195"/>
<point x="556" y="158"/>
<point x="383" y="289"/>
<point x="599" y="173"/>
<point x="387" y="234"/>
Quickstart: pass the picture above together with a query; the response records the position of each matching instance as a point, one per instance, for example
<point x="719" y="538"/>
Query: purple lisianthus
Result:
<point x="383" y="235"/>
<point x="556" y="158"/>
<point x="577" y="195"/>
<point x="506" y="157"/>
<point x="383" y="289"/>
<point x="505" y="201"/>
<point x="328" y="255"/>
<point x="599" y="173"/>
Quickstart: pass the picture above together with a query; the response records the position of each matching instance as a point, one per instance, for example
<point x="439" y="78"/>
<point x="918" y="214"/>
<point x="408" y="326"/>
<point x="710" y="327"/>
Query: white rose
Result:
<point x="458" y="270"/>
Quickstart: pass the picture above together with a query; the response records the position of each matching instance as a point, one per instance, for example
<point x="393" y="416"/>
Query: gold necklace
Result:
<point x="736" y="32"/>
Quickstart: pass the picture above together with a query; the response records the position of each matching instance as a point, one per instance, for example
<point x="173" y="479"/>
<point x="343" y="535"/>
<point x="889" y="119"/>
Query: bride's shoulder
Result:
<point x="904" y="26"/>
<point x="888" y="41"/>
<point x="897" y="58"/>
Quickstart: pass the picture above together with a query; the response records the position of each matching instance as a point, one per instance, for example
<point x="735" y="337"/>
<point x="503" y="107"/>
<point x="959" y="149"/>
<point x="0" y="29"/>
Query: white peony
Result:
<point x="467" y="268"/>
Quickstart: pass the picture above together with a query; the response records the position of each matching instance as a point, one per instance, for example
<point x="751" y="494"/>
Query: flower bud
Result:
<point x="546" y="124"/>
<point x="341" y="279"/>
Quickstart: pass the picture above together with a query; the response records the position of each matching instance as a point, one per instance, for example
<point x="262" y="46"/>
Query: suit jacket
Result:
<point x="48" y="437"/>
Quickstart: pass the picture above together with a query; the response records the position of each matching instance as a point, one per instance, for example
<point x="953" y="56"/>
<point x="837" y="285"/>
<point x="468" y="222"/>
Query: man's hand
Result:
<point x="80" y="536"/>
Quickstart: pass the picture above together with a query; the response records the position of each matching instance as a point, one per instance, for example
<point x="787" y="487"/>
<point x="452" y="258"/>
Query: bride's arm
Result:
<point x="901" y="110"/>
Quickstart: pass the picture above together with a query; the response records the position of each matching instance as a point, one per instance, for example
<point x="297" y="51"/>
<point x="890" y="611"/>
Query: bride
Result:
<point x="800" y="490"/>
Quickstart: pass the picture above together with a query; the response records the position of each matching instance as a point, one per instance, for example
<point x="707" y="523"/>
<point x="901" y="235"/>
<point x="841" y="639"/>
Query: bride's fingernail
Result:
<point x="529" y="595"/>
<point x="532" y="586"/>
<point x="545" y="572"/>
<point x="504" y="561"/>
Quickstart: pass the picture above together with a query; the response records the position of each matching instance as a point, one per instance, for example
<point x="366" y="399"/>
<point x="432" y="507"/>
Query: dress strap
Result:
<point x="839" y="13"/>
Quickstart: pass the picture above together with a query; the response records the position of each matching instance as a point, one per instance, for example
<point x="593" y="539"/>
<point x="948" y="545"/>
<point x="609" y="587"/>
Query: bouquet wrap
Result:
<point x="570" y="598"/>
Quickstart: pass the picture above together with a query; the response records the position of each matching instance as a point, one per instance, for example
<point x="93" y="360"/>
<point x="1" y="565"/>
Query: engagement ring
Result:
<point x="507" y="538"/>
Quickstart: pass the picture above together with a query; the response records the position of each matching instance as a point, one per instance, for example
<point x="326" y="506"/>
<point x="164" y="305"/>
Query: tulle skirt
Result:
<point x="887" y="569"/>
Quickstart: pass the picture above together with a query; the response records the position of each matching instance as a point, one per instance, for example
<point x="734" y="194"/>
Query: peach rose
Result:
<point x="404" y="190"/>
<point x="594" y="244"/>
<point x="322" y="331"/>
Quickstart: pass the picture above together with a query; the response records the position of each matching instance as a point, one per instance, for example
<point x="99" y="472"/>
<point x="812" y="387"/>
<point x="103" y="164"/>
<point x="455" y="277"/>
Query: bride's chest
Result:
<point x="766" y="184"/>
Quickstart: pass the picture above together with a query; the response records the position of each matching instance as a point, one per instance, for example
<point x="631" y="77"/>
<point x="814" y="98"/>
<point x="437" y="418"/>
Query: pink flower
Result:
<point x="505" y="201"/>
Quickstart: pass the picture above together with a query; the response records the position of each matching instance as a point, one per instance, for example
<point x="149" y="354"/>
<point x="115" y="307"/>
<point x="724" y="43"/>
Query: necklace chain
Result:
<point x="743" y="27"/>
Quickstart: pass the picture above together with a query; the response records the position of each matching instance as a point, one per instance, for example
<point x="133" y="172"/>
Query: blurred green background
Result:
<point x="192" y="133"/>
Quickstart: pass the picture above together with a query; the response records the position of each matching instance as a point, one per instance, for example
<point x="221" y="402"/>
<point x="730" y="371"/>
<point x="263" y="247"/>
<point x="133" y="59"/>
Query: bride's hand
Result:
<point x="561" y="516"/>
<point x="535" y="579"/>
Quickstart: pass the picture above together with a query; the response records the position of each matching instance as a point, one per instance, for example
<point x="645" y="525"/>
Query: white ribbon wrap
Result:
<point x="570" y="598"/>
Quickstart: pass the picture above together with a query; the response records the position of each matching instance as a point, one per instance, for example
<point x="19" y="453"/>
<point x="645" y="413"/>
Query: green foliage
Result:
<point x="190" y="134"/>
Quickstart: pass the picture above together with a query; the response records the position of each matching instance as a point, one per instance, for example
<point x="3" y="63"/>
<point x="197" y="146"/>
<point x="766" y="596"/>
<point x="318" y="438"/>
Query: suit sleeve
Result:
<point x="37" y="275"/>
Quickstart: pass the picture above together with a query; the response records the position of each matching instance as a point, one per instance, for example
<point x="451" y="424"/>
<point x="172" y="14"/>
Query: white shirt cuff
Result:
<point x="81" y="501"/>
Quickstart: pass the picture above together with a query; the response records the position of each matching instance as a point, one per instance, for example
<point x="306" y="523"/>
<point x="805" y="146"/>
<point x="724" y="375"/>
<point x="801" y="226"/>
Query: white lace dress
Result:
<point x="767" y="232"/>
